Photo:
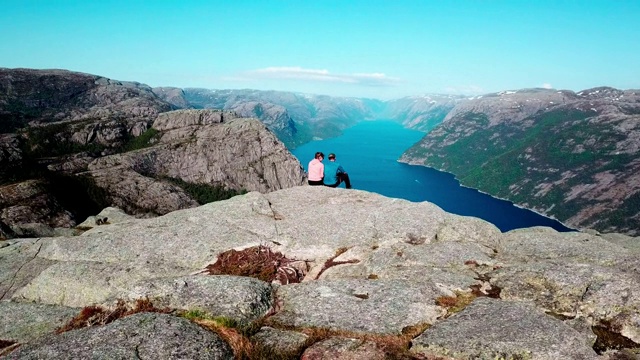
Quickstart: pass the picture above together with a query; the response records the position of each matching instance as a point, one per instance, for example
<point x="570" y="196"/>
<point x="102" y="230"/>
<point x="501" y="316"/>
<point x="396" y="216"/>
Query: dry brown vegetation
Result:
<point x="97" y="315"/>
<point x="241" y="345"/>
<point x="7" y="346"/>
<point x="259" y="262"/>
<point x="457" y="303"/>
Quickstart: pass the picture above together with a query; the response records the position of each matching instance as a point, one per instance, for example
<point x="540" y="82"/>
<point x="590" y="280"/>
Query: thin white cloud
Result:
<point x="546" y="86"/>
<point x="320" y="75"/>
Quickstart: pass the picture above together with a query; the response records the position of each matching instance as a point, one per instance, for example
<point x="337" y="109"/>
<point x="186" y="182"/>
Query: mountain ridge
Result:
<point x="569" y="155"/>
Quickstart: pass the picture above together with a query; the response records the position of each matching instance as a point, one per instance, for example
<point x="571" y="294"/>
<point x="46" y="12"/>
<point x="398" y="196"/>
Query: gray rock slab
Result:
<point x="313" y="222"/>
<point x="616" y="302"/>
<point x="190" y="238"/>
<point x="490" y="329"/>
<point x="24" y="322"/>
<point x="527" y="245"/>
<point x="79" y="284"/>
<point x="280" y="342"/>
<point x="367" y="306"/>
<point x="628" y="242"/>
<point x="470" y="229"/>
<point x="112" y="214"/>
<point x="340" y="348"/>
<point x="442" y="263"/>
<point x="600" y="295"/>
<point x="19" y="264"/>
<point x="139" y="336"/>
<point x="243" y="299"/>
<point x="558" y="287"/>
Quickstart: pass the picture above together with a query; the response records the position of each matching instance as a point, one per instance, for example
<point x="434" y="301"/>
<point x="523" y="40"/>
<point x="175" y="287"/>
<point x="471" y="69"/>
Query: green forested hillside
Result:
<point x="576" y="163"/>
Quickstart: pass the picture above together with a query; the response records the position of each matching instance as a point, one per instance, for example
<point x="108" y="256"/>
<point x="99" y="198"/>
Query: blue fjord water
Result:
<point x="369" y="152"/>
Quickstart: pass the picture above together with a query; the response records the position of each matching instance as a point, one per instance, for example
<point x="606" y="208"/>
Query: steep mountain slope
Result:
<point x="570" y="155"/>
<point x="421" y="113"/>
<point x="173" y="95"/>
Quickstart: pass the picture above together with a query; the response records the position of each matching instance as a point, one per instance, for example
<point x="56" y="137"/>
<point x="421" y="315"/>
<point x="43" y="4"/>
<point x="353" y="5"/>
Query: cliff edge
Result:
<point x="348" y="274"/>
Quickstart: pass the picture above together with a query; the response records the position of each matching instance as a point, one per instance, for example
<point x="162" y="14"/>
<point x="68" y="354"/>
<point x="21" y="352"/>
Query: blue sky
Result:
<point x="378" y="49"/>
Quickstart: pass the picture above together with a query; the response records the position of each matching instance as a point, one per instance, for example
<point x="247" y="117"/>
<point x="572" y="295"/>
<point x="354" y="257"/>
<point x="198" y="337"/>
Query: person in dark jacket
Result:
<point x="334" y="173"/>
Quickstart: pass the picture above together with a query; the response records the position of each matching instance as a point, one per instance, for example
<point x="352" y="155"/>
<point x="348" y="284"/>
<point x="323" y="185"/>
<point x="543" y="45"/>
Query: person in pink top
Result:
<point x="316" y="169"/>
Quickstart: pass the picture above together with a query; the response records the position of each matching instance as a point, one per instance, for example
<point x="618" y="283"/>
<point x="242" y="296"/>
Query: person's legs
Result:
<point x="333" y="185"/>
<point x="344" y="177"/>
<point x="315" y="183"/>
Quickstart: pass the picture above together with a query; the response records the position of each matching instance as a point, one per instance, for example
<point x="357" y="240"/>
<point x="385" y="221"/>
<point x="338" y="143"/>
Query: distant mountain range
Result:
<point x="573" y="156"/>
<point x="299" y="118"/>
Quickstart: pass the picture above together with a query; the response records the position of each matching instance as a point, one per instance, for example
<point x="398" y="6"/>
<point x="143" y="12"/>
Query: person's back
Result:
<point x="334" y="173"/>
<point x="331" y="172"/>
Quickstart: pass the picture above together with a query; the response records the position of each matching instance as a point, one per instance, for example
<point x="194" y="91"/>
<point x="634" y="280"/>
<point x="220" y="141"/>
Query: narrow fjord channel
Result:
<point x="369" y="152"/>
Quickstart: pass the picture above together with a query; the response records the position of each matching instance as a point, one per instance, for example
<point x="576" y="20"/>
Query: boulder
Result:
<point x="275" y="342"/>
<point x="20" y="264"/>
<point x="492" y="329"/>
<point x="139" y="336"/>
<point x="340" y="348"/>
<point x="365" y="306"/>
<point x="242" y="299"/>
<point x="84" y="283"/>
<point x="25" y="322"/>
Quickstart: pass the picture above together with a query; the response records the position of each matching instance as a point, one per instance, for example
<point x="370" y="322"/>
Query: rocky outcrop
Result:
<point x="490" y="329"/>
<point x="275" y="117"/>
<point x="81" y="142"/>
<point x="198" y="146"/>
<point x="140" y="336"/>
<point x="378" y="270"/>
<point x="39" y="97"/>
<point x="572" y="156"/>
<point x="172" y="95"/>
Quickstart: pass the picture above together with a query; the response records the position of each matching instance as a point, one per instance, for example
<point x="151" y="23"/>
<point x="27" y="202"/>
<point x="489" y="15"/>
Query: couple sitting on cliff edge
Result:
<point x="331" y="174"/>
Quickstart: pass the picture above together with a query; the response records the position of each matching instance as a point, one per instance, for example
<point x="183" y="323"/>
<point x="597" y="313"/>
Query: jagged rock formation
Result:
<point x="72" y="144"/>
<point x="572" y="156"/>
<point x="374" y="266"/>
<point x="198" y="147"/>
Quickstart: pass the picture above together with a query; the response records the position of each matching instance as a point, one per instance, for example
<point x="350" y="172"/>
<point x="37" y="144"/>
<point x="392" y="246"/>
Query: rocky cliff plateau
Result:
<point x="369" y="277"/>
<point x="72" y="144"/>
<point x="572" y="156"/>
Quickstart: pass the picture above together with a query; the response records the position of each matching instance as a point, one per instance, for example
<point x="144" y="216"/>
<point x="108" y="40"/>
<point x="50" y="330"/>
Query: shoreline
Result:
<point x="493" y="196"/>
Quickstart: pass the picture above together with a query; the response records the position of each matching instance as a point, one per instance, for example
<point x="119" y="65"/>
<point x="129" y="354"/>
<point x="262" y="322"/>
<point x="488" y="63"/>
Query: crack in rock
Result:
<point x="15" y="275"/>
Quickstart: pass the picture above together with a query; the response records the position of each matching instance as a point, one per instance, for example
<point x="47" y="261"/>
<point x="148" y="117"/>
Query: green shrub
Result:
<point x="55" y="140"/>
<point x="145" y="139"/>
<point x="205" y="193"/>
